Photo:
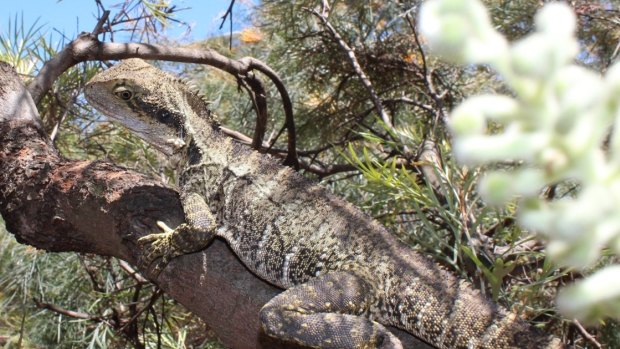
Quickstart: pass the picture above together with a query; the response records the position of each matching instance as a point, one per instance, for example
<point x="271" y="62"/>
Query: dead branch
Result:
<point x="321" y="171"/>
<point x="256" y="89"/>
<point x="590" y="338"/>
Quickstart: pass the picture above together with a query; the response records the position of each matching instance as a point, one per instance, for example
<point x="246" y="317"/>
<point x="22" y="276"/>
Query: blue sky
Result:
<point x="74" y="16"/>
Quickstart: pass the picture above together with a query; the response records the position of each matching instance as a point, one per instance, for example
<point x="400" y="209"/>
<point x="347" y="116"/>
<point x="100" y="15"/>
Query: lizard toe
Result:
<point x="389" y="341"/>
<point x="151" y="239"/>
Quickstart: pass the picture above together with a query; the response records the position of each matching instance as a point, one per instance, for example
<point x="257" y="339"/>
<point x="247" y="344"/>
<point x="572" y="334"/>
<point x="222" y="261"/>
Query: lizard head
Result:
<point x="145" y="100"/>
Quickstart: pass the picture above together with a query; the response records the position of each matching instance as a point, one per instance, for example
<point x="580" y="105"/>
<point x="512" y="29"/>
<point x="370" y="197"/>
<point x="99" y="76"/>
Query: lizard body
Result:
<point x="345" y="275"/>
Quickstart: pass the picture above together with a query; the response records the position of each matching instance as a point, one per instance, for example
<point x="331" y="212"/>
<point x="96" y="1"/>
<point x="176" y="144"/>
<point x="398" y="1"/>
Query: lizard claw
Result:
<point x="157" y="246"/>
<point x="163" y="226"/>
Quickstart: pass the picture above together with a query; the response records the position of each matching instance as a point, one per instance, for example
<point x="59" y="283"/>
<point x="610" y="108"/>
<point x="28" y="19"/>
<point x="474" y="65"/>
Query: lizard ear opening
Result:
<point x="123" y="93"/>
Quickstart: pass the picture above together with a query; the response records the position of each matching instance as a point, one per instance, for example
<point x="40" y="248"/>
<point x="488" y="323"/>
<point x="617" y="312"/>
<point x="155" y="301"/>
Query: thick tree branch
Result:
<point x="95" y="207"/>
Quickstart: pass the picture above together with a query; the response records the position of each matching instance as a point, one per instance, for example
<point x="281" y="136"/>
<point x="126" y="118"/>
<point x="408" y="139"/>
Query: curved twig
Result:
<point x="289" y="123"/>
<point x="256" y="89"/>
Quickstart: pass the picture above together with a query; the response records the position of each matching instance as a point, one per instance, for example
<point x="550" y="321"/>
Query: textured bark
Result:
<point x="57" y="204"/>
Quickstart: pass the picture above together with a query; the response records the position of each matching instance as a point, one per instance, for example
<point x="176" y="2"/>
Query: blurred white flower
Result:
<point x="556" y="19"/>
<point x="594" y="297"/>
<point x="554" y="128"/>
<point x="471" y="116"/>
<point x="514" y="146"/>
<point x="461" y="30"/>
<point x="497" y="188"/>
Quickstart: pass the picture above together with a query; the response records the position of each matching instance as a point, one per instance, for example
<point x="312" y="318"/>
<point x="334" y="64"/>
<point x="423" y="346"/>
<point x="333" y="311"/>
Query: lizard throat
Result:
<point x="194" y="155"/>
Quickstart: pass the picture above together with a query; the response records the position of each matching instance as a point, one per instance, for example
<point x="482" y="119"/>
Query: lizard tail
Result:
<point x="449" y="313"/>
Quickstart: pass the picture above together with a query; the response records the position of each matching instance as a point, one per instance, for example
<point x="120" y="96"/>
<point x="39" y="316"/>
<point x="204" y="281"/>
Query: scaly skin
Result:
<point x="346" y="276"/>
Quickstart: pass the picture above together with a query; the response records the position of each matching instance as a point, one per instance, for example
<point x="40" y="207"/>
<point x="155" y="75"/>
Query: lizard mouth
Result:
<point x="155" y="134"/>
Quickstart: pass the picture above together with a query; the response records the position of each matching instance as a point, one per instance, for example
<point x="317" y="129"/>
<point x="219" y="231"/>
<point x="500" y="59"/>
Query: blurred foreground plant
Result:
<point x="555" y="128"/>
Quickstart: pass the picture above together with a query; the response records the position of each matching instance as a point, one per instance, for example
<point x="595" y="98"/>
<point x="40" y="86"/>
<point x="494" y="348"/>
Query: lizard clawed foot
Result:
<point x="159" y="246"/>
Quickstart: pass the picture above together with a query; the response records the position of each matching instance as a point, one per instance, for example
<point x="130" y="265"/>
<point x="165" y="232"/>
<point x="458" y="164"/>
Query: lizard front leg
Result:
<point x="188" y="237"/>
<point x="328" y="312"/>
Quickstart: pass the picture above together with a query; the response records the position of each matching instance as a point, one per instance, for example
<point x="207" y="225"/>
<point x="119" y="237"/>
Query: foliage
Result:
<point x="92" y="301"/>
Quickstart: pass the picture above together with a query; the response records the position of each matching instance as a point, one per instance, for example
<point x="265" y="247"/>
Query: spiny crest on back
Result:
<point x="130" y="69"/>
<point x="194" y="95"/>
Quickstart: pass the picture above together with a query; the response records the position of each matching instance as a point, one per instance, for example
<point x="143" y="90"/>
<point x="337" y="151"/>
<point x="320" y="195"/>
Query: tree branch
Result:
<point x="66" y="312"/>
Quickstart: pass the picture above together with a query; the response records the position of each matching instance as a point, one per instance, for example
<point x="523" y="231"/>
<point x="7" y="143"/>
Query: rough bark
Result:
<point x="56" y="204"/>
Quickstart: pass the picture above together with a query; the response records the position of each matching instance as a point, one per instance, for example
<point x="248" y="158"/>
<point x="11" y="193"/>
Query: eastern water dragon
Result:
<point x="345" y="275"/>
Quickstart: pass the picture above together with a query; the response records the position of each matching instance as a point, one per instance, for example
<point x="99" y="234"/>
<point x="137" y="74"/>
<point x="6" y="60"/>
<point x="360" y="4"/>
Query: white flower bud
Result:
<point x="612" y="82"/>
<point x="578" y="91"/>
<point x="505" y="146"/>
<point x="469" y="118"/>
<point x="556" y="19"/>
<point x="577" y="254"/>
<point x="541" y="55"/>
<point x="461" y="30"/>
<point x="593" y="298"/>
<point x="497" y="188"/>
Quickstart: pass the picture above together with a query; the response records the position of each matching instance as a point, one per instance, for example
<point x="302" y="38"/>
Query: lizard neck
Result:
<point x="204" y="142"/>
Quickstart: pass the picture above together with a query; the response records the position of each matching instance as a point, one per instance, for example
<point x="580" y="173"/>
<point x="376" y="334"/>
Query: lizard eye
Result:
<point x="123" y="93"/>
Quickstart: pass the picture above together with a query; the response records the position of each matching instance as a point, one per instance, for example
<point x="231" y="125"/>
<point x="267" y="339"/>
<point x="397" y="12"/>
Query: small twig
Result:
<point x="590" y="338"/>
<point x="92" y="274"/>
<point x="67" y="108"/>
<point x="506" y="222"/>
<point x="528" y="244"/>
<point x="319" y="170"/>
<point x="130" y="328"/>
<point x="152" y="301"/>
<point x="66" y="312"/>
<point x="429" y="164"/>
<point x="428" y="78"/>
<point x="289" y="122"/>
<point x="256" y="89"/>
<point x="229" y="11"/>
<point x="417" y="42"/>
<point x="102" y="20"/>
<point x="406" y="100"/>
<point x="132" y="272"/>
